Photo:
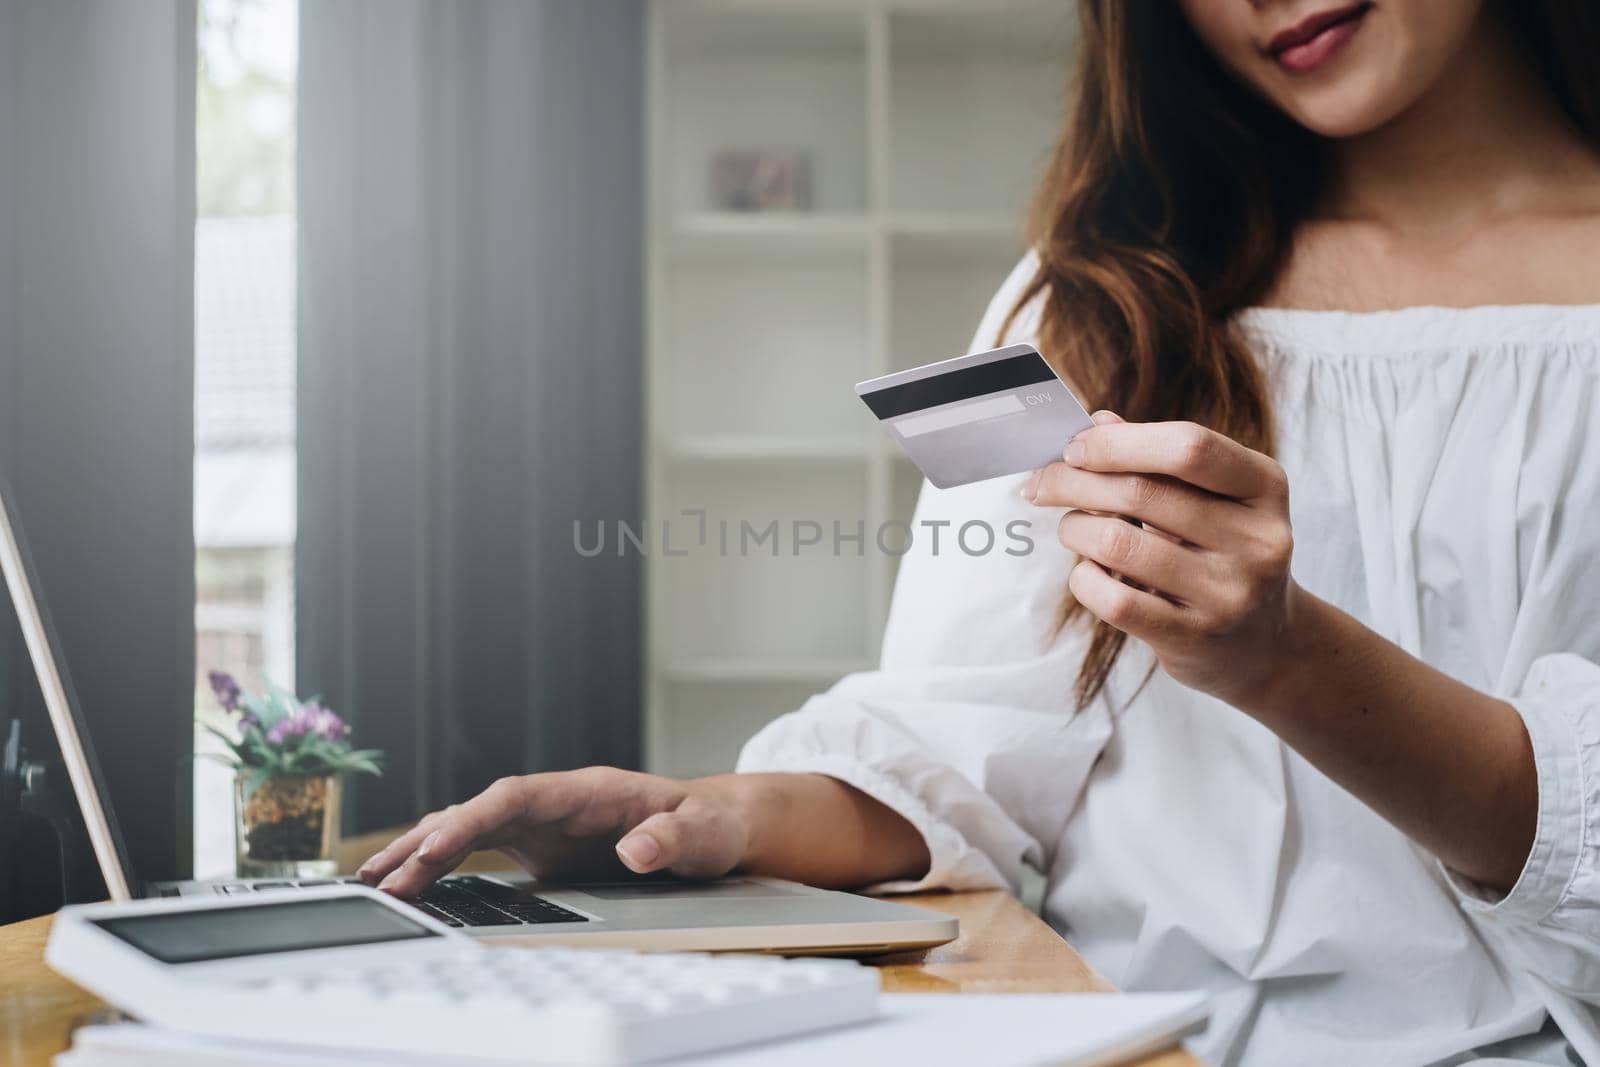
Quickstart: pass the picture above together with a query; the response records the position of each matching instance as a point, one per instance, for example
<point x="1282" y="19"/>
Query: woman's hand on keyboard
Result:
<point x="587" y="823"/>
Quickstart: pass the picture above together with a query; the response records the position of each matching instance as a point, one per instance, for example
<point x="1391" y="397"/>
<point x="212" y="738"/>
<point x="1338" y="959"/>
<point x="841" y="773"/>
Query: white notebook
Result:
<point x="929" y="1029"/>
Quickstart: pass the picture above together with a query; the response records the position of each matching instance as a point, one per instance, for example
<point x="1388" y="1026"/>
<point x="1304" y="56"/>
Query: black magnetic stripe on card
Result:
<point x="964" y="384"/>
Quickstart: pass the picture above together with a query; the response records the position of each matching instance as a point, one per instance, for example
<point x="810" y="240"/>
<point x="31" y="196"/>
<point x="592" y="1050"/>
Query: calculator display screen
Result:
<point x="290" y="926"/>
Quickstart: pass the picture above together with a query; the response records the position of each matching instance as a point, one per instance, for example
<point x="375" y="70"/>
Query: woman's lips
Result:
<point x="1313" y="41"/>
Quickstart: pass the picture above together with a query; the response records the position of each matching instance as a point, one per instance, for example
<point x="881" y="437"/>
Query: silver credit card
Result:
<point x="979" y="416"/>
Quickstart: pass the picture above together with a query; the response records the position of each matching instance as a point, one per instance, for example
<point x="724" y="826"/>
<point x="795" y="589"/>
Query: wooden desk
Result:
<point x="1003" y="947"/>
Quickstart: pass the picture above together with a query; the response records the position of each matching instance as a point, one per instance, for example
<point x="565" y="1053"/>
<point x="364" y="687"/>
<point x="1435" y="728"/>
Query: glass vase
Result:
<point x="287" y="827"/>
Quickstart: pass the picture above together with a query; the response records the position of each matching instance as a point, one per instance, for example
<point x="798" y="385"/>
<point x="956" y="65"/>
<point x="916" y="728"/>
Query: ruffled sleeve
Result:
<point x="987" y="785"/>
<point x="967" y="729"/>
<point x="1549" y="922"/>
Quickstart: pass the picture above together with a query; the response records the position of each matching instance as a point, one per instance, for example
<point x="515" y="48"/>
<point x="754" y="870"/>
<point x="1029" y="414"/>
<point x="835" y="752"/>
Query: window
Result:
<point x="244" y="432"/>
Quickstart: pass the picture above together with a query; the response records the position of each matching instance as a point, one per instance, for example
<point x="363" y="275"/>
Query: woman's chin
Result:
<point x="1344" y="111"/>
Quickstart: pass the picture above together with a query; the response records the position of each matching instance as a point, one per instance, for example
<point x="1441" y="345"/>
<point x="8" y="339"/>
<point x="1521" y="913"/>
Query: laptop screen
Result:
<point x="66" y="719"/>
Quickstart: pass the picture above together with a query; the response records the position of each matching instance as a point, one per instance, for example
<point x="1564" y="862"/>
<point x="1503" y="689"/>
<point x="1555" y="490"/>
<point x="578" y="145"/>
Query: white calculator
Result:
<point x="350" y="968"/>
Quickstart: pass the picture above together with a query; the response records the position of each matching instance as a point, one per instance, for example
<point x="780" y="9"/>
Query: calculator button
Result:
<point x="604" y="999"/>
<point x="667" y="1003"/>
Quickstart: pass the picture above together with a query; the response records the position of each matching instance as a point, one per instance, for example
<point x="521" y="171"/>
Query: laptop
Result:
<point x="738" y="913"/>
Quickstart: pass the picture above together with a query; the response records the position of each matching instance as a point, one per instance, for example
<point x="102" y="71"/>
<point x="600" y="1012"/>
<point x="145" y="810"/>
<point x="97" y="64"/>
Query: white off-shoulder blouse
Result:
<point x="1444" y="467"/>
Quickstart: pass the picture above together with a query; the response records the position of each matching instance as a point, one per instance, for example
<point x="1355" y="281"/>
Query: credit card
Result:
<point x="979" y="416"/>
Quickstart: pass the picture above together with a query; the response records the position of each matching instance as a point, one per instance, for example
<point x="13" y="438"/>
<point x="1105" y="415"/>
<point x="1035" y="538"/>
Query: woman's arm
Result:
<point x="818" y="830"/>
<point x="593" y="822"/>
<point x="1451" y="767"/>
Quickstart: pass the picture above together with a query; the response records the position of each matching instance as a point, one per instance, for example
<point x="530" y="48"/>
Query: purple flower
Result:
<point x="324" y="722"/>
<point x="308" y="719"/>
<point x="226" y="689"/>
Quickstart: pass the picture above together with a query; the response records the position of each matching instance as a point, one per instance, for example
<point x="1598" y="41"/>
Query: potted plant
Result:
<point x="288" y="759"/>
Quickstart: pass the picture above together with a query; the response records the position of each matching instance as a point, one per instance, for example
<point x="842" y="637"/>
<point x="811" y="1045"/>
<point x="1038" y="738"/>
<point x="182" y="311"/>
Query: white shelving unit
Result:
<point x="925" y="124"/>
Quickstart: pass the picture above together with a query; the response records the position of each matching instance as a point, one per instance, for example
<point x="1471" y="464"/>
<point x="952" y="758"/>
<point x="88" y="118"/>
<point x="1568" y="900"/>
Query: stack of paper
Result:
<point x="932" y="1030"/>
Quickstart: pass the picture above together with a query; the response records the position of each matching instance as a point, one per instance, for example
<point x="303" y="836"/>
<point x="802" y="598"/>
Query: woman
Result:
<point x="1319" y="730"/>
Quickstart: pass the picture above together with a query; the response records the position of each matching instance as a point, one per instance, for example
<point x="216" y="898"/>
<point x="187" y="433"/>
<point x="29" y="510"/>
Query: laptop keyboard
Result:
<point x="466" y="901"/>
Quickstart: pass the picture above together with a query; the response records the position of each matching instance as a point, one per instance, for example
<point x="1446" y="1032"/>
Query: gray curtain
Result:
<point x="470" y="351"/>
<point x="96" y="382"/>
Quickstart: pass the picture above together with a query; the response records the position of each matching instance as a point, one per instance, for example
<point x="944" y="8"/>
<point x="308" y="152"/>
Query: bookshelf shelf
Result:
<point x="777" y="671"/>
<point x="762" y="449"/>
<point x="923" y="125"/>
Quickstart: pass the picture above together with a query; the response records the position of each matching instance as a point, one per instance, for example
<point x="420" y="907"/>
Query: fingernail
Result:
<point x="1074" y="452"/>
<point x="1030" y="488"/>
<point x="639" y="851"/>
<point x="388" y="883"/>
<point x="1103" y="417"/>
<point x="427" y="843"/>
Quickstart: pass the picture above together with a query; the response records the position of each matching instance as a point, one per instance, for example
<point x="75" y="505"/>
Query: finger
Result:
<point x="397" y="851"/>
<point x="1176" y="507"/>
<point x="482" y="821"/>
<point x="492" y="818"/>
<point x="421" y="869"/>
<point x="1174" y="570"/>
<point x="1133" y="611"/>
<point x="695" y="841"/>
<point x="1099" y="418"/>
<point x="1181" y="450"/>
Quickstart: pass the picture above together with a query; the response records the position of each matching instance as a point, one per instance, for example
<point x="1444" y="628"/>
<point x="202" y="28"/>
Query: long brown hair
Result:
<point x="1169" y="204"/>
